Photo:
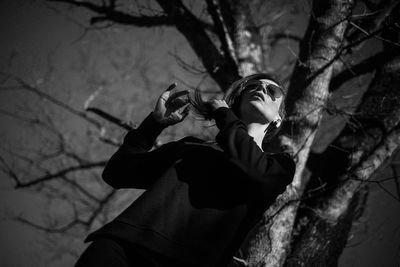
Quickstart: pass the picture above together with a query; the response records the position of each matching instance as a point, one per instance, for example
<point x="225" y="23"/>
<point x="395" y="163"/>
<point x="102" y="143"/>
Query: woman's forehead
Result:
<point x="267" y="81"/>
<point x="263" y="81"/>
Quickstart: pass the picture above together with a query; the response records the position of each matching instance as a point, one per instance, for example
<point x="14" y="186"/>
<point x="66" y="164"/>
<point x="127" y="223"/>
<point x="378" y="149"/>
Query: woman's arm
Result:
<point x="132" y="166"/>
<point x="273" y="172"/>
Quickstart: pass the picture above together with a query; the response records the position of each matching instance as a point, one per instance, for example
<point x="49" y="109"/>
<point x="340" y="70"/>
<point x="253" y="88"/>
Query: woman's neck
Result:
<point x="257" y="131"/>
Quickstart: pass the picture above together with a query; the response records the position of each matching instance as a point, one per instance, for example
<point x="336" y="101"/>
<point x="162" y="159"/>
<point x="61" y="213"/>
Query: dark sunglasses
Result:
<point x="271" y="89"/>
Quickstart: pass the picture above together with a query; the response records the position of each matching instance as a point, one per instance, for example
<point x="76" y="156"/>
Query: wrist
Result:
<point x="158" y="120"/>
<point x="223" y="117"/>
<point x="216" y="111"/>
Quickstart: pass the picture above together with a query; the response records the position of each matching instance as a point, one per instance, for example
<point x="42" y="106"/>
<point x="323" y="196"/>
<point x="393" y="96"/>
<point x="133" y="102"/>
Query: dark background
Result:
<point x="48" y="46"/>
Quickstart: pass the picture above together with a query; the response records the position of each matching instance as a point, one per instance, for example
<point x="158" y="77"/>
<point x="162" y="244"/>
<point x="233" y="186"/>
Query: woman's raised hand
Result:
<point x="216" y="103"/>
<point x="171" y="109"/>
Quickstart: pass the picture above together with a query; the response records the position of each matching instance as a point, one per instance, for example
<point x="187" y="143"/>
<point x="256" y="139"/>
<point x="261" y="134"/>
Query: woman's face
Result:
<point x="260" y="101"/>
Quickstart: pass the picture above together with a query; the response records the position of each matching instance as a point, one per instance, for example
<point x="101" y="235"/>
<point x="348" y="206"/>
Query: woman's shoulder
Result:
<point x="285" y="159"/>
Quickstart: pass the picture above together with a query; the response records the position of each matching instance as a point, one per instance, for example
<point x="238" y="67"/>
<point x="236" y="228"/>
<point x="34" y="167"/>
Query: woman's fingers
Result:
<point x="175" y="101"/>
<point x="184" y="111"/>
<point x="172" y="86"/>
<point x="176" y="95"/>
<point x="185" y="108"/>
<point x="172" y="108"/>
<point x="165" y="95"/>
<point x="179" y="94"/>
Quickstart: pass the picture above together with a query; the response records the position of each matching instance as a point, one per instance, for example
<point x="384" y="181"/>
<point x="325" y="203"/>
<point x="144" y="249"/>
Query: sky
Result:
<point x="110" y="61"/>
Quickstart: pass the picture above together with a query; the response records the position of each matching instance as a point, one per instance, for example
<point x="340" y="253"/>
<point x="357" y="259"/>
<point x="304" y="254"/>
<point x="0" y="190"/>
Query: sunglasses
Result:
<point x="269" y="88"/>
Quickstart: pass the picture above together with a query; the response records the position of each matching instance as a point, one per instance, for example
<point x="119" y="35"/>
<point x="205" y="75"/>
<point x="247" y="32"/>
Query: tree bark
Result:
<point x="247" y="39"/>
<point x="325" y="242"/>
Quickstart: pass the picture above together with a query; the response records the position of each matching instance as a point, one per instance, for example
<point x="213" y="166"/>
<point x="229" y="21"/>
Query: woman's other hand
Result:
<point x="214" y="104"/>
<point x="171" y="109"/>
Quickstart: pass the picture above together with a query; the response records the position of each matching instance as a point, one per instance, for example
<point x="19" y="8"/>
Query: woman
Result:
<point x="201" y="198"/>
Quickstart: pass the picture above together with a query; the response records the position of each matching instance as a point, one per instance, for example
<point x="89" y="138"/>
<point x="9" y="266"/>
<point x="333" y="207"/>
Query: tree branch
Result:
<point x="284" y="35"/>
<point x="363" y="67"/>
<point x="221" y="69"/>
<point x="76" y="221"/>
<point x="337" y="204"/>
<point x="23" y="85"/>
<point x="59" y="174"/>
<point x="222" y="30"/>
<point x="381" y="12"/>
<point x="396" y="178"/>
<point x="110" y="118"/>
<point x="109" y="13"/>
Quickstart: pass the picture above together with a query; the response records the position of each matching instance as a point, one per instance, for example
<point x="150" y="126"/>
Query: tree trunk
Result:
<point x="325" y="242"/>
<point x="306" y="98"/>
<point x="329" y="217"/>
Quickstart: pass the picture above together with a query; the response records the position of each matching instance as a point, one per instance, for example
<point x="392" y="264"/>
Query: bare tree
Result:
<point x="309" y="224"/>
<point x="63" y="164"/>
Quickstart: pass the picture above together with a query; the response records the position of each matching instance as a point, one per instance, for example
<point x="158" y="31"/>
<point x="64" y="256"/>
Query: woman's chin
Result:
<point x="255" y="110"/>
<point x="257" y="106"/>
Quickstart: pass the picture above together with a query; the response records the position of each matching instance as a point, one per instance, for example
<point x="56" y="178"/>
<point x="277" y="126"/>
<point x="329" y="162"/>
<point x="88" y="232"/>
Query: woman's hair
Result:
<point x="233" y="96"/>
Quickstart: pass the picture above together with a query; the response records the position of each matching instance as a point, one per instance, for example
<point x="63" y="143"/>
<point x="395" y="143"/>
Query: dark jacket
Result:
<point x="201" y="198"/>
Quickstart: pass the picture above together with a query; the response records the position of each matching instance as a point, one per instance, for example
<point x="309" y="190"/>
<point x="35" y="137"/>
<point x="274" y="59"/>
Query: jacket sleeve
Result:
<point x="132" y="165"/>
<point x="269" y="173"/>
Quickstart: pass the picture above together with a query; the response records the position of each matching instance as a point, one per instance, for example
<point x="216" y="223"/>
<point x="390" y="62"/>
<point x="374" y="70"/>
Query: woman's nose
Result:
<point x="263" y="88"/>
<point x="265" y="91"/>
